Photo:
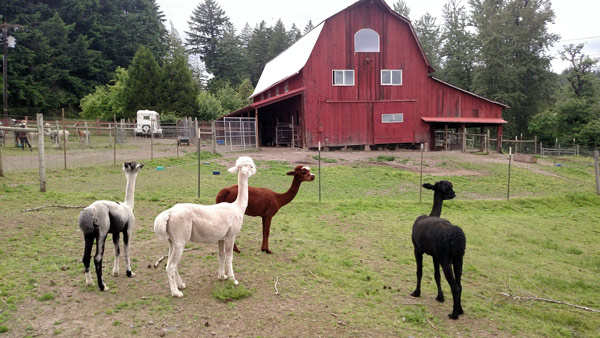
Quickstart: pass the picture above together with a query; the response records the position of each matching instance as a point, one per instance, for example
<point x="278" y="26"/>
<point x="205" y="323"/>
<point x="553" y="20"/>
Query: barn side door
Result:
<point x="394" y="122"/>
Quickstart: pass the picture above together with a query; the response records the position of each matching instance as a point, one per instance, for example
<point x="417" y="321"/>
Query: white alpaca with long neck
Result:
<point x="205" y="224"/>
<point x="103" y="217"/>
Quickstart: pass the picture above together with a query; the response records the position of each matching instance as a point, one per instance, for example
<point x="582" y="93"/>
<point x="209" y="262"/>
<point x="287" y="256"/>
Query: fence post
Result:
<point x="115" y="141"/>
<point x="535" y="145"/>
<point x="509" y="163"/>
<point x="214" y="137"/>
<point x="40" y="130"/>
<point x="597" y="172"/>
<point x="87" y="135"/>
<point x="151" y="139"/>
<point x="421" y="181"/>
<point x="487" y="142"/>
<point x="64" y="138"/>
<point x="464" y="144"/>
<point x="1" y="168"/>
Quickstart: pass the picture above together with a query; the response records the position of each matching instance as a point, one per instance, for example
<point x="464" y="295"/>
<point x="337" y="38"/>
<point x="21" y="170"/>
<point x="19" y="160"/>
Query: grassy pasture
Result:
<point x="341" y="267"/>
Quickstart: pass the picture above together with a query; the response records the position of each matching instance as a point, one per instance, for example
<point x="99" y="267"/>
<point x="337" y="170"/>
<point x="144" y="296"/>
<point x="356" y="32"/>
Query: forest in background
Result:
<point x="97" y="59"/>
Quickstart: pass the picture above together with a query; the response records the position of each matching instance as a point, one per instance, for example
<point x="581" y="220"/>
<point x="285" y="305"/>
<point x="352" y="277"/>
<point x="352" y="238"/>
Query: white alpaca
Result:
<point x="55" y="135"/>
<point x="205" y="224"/>
<point x="104" y="217"/>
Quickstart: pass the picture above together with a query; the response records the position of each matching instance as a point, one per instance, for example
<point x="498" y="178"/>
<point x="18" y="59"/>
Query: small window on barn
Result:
<point x="285" y="87"/>
<point x="343" y="77"/>
<point x="392" y="118"/>
<point x="276" y="90"/>
<point x="366" y="40"/>
<point x="391" y="77"/>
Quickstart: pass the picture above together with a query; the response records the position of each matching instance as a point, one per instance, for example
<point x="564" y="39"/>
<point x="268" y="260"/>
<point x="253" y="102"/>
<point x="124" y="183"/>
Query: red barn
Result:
<point x="361" y="78"/>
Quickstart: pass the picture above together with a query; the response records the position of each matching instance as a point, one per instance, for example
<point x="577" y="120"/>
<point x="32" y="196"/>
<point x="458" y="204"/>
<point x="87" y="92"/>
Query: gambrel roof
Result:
<point x="291" y="61"/>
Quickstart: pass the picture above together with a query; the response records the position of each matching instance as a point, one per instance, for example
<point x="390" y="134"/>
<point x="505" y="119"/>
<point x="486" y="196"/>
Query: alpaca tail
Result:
<point x="458" y="241"/>
<point x="160" y="225"/>
<point x="87" y="220"/>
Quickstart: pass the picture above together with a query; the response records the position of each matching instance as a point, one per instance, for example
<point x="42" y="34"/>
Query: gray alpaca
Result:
<point x="103" y="217"/>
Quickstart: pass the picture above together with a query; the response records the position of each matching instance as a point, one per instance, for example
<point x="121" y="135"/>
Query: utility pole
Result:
<point x="5" y="45"/>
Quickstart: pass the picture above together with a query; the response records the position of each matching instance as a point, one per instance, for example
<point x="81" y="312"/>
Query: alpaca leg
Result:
<point x="87" y="256"/>
<point x="98" y="261"/>
<point x="419" y="260"/>
<point x="458" y="264"/>
<point x="115" y="271"/>
<point x="266" y="220"/>
<point x="229" y="259"/>
<point x="222" y="274"/>
<point x="176" y="251"/>
<point x="455" y="290"/>
<point x="126" y="237"/>
<point x="438" y="283"/>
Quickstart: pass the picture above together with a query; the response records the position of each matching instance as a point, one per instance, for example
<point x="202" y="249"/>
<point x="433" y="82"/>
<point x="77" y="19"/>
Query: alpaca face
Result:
<point x="245" y="165"/>
<point x="303" y="173"/>
<point x="443" y="187"/>
<point x="132" y="167"/>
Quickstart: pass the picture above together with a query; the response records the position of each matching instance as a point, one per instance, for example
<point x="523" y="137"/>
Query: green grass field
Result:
<point x="341" y="267"/>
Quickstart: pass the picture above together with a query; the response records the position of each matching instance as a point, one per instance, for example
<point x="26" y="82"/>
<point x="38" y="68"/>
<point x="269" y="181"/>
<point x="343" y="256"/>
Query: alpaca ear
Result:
<point x="291" y="173"/>
<point x="428" y="186"/>
<point x="233" y="169"/>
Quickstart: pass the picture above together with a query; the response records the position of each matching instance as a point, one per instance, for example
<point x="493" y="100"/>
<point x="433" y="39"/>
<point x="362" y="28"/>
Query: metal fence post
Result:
<point x="42" y="166"/>
<point x="597" y="172"/>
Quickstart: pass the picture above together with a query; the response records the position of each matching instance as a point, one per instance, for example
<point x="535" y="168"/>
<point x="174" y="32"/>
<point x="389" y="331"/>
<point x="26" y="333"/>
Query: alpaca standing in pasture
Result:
<point x="103" y="217"/>
<point x="81" y="134"/>
<point x="266" y="203"/>
<point x="205" y="224"/>
<point x="56" y="135"/>
<point x="445" y="242"/>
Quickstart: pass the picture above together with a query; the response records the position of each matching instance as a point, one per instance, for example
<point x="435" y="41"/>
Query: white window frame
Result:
<point x="391" y="71"/>
<point x="344" y="78"/>
<point x="395" y="118"/>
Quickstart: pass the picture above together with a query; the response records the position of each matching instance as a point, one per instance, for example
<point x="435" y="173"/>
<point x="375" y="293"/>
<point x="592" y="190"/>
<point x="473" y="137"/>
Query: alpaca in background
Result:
<point x="205" y="224"/>
<point x="266" y="203"/>
<point x="445" y="242"/>
<point x="103" y="217"/>
<point x="83" y="135"/>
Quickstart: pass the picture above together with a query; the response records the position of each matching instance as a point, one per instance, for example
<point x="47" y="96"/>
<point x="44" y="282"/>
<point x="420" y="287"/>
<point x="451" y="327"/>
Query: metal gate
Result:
<point x="236" y="132"/>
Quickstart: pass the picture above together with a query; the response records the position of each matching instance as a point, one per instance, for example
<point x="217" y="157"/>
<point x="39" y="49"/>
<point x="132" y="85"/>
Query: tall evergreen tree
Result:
<point x="207" y="27"/>
<point x="401" y="8"/>
<point x="231" y="66"/>
<point x="258" y="44"/>
<point x="177" y="87"/>
<point x="279" y="39"/>
<point x="430" y="38"/>
<point x="514" y="65"/>
<point x="457" y="53"/>
<point x="309" y="26"/>
<point x="142" y="90"/>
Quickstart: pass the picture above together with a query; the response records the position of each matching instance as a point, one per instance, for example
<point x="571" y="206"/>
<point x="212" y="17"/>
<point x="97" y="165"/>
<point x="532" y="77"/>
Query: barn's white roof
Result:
<point x="289" y="62"/>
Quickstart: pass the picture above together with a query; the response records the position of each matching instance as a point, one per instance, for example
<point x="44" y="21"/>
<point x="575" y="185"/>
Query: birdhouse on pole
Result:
<point x="11" y="41"/>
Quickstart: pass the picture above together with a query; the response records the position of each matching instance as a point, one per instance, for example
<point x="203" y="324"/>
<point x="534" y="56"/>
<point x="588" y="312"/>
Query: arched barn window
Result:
<point x="366" y="40"/>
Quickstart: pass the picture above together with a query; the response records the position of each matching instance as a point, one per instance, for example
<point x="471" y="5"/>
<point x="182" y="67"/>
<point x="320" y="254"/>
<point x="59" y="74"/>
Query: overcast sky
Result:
<point x="574" y="19"/>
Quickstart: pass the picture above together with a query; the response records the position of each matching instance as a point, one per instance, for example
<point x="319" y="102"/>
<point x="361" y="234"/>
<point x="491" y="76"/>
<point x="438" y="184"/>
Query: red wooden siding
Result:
<point x="351" y="115"/>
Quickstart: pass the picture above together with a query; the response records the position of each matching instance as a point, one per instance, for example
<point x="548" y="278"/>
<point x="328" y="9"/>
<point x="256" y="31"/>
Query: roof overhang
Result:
<point x="278" y="98"/>
<point x="466" y="120"/>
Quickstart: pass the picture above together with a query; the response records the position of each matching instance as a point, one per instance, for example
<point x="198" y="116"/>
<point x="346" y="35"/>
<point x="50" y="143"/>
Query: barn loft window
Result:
<point x="285" y="87"/>
<point x="366" y="40"/>
<point x="391" y="77"/>
<point x="343" y="77"/>
<point x="392" y="118"/>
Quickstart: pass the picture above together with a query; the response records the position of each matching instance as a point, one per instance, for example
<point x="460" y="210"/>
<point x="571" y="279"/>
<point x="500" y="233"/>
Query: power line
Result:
<point x="591" y="37"/>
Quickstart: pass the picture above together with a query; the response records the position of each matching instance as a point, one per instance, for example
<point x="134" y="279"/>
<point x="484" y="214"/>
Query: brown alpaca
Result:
<point x="265" y="202"/>
<point x="80" y="134"/>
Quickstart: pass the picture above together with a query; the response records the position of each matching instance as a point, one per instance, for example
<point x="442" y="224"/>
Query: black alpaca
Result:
<point x="443" y="241"/>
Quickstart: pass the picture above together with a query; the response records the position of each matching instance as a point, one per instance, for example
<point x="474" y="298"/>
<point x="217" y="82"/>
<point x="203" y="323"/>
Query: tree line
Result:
<point x="112" y="57"/>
